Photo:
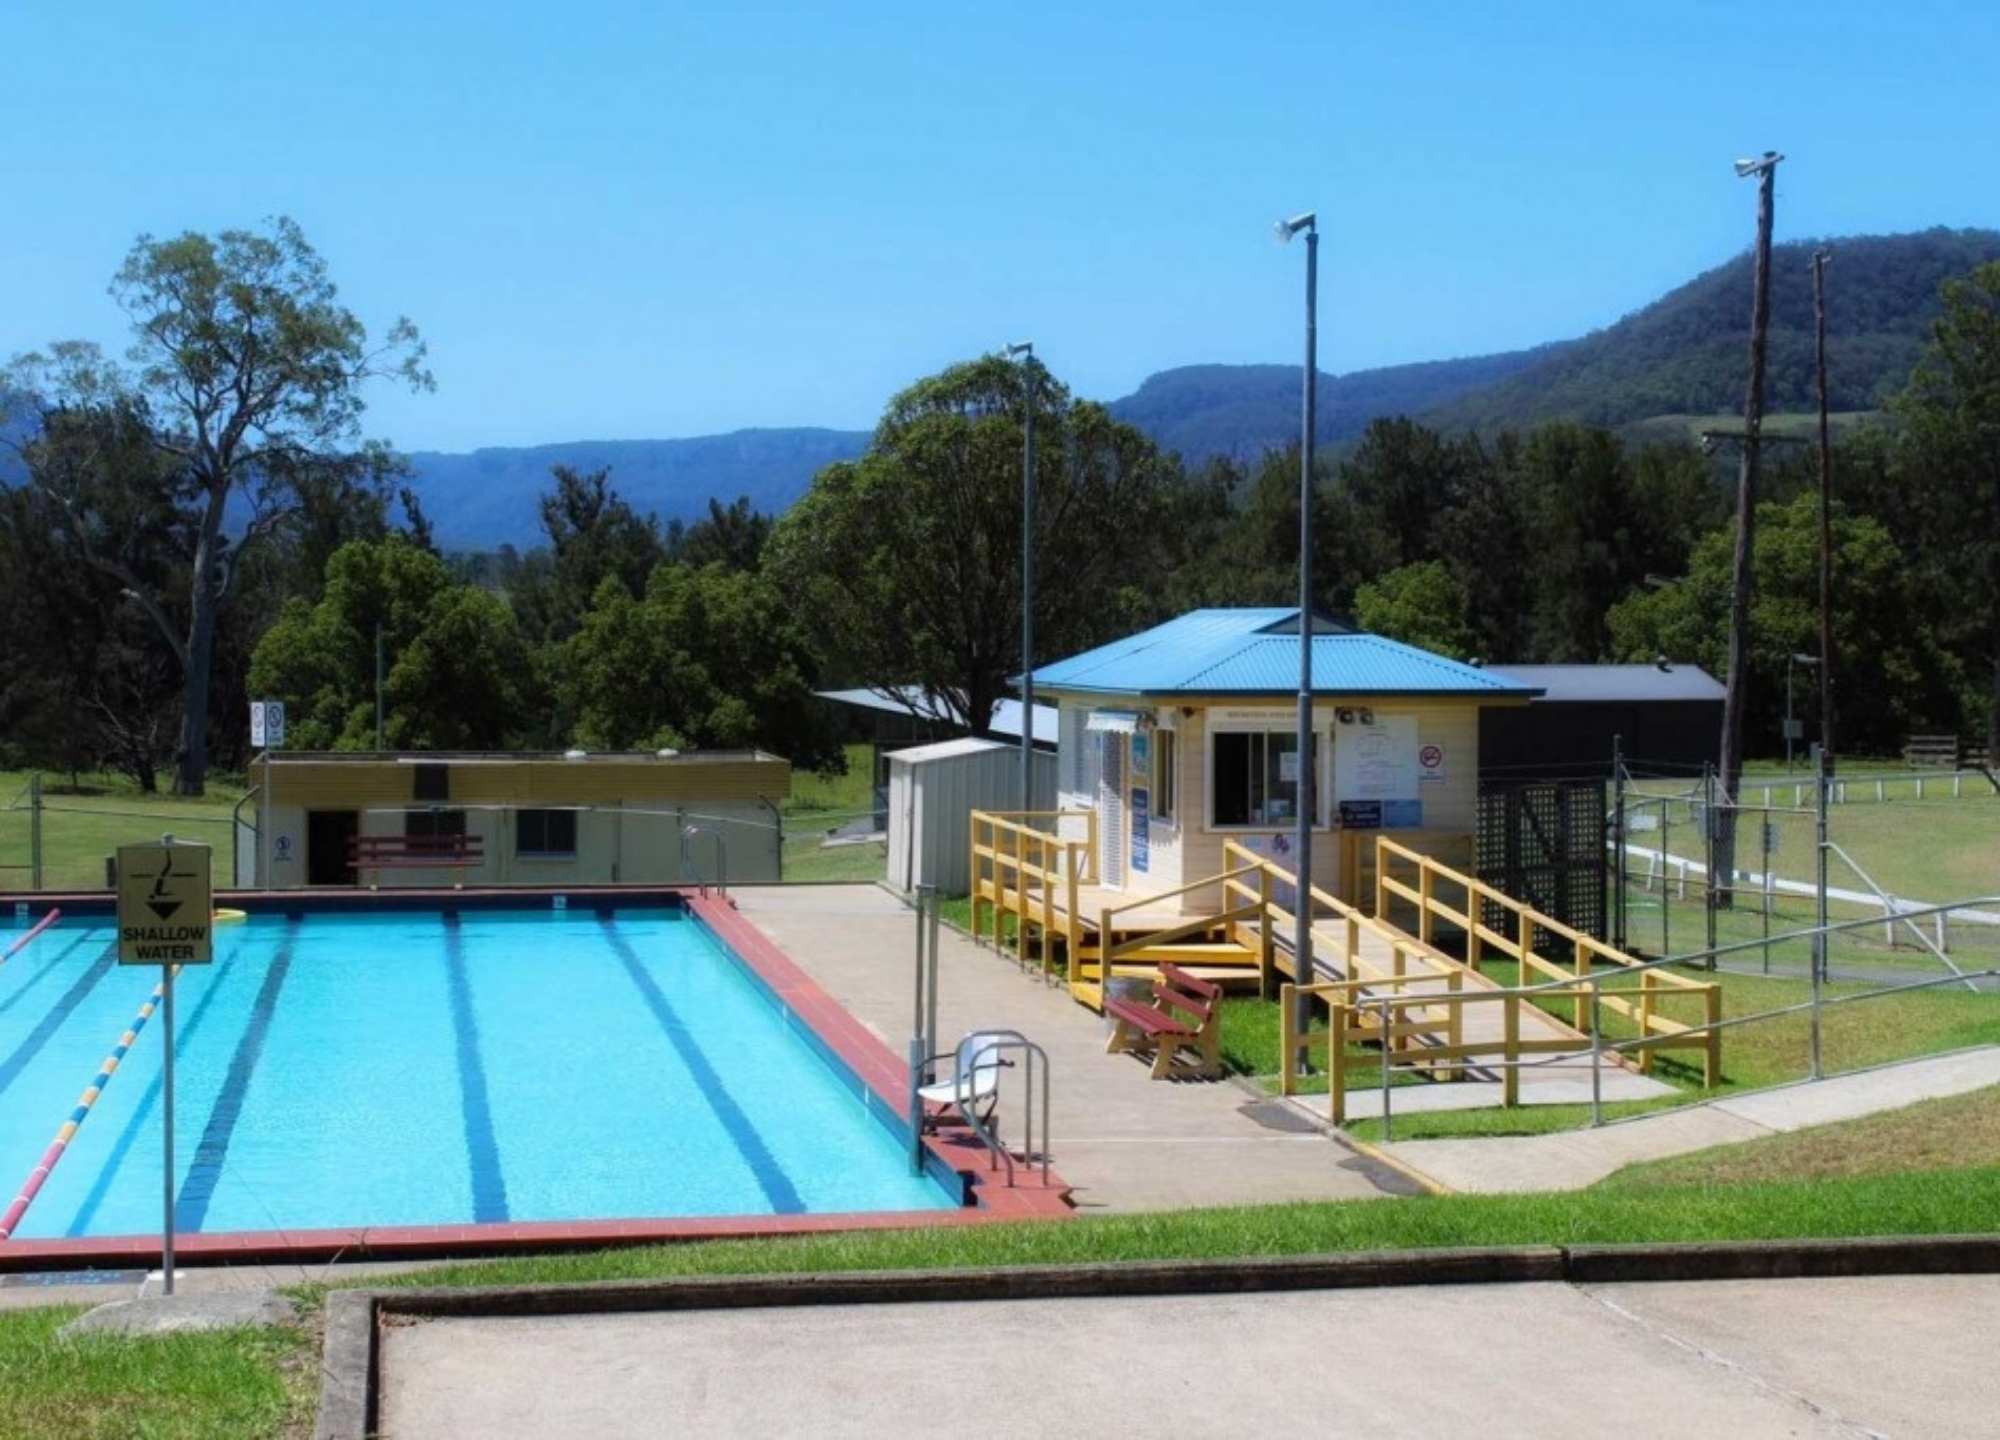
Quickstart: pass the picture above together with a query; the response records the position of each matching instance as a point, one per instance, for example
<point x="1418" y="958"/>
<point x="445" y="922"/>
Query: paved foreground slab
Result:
<point x="1847" y="1357"/>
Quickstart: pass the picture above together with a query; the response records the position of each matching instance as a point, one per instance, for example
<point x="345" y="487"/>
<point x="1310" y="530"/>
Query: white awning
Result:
<point x="1120" y="722"/>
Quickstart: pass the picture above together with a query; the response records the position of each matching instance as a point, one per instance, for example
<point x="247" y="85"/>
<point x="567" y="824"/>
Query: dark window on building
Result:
<point x="1166" y="767"/>
<point x="1254" y="777"/>
<point x="545" y="832"/>
<point x="433" y="782"/>
<point x="433" y="822"/>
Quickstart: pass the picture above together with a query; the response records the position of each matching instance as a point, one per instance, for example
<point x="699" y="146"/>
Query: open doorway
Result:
<point x="330" y="846"/>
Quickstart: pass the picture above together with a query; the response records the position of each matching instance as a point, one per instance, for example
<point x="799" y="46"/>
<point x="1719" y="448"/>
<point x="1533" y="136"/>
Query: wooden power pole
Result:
<point x="1722" y="885"/>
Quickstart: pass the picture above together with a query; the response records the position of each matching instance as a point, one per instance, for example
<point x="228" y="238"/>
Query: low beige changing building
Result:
<point x="337" y="819"/>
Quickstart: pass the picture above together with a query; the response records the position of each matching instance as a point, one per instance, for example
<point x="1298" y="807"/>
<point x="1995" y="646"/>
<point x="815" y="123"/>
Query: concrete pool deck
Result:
<point x="1123" y="1141"/>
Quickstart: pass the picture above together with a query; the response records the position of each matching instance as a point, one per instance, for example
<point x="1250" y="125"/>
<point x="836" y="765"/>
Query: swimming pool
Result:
<point x="467" y="1067"/>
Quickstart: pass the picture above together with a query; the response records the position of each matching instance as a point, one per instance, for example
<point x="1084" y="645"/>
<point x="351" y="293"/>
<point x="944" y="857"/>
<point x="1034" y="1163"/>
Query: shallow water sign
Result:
<point x="166" y="917"/>
<point x="166" y="905"/>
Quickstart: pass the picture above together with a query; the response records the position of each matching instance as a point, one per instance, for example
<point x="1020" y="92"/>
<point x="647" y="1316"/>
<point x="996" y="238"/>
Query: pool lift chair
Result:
<point x="971" y="1093"/>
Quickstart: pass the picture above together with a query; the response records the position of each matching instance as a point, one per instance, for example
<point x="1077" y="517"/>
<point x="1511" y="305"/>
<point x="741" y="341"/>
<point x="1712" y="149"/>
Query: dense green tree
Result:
<point x="249" y="373"/>
<point x="1891" y="677"/>
<point x="1488" y="540"/>
<point x="1420" y="604"/>
<point x="1951" y="475"/>
<point x="85" y="686"/>
<point x="455" y="670"/>
<point x="594" y="535"/>
<point x="907" y="562"/>
<point x="733" y="536"/>
<point x="1582" y="521"/>
<point x="1402" y="480"/>
<point x="708" y="658"/>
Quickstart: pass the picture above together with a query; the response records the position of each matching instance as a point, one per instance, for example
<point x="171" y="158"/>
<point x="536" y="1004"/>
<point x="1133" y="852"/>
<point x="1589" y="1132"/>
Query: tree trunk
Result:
<point x="191" y="757"/>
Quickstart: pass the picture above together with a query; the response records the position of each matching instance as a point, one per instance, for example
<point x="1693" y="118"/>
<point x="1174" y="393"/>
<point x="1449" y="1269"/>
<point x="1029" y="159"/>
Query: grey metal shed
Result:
<point x="933" y="790"/>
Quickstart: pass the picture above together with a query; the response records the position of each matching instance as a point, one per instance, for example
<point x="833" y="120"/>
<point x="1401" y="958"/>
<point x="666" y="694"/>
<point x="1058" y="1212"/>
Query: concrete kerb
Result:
<point x="350" y="1367"/>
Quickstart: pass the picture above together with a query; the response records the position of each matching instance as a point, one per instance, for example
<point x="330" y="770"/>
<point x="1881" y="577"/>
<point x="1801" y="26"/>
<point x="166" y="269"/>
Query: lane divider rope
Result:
<point x="22" y="944"/>
<point x="33" y="1186"/>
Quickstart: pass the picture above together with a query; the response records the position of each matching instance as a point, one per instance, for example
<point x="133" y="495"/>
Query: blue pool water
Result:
<point x="425" y="1069"/>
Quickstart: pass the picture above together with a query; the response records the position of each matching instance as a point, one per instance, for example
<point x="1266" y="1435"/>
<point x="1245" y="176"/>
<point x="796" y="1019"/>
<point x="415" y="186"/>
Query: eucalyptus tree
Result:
<point x="1950" y="414"/>
<point x="907" y="563"/>
<point x="248" y="373"/>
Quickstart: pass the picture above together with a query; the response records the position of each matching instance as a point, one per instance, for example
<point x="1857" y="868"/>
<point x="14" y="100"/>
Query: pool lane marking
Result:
<point x="778" y="1189"/>
<point x="40" y="1173"/>
<point x="482" y="1150"/>
<point x="32" y="1044"/>
<point x="53" y="961"/>
<point x="149" y="1100"/>
<point x="22" y="944"/>
<point x="198" y="1189"/>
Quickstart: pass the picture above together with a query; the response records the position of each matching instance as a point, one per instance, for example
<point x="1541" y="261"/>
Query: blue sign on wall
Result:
<point x="1142" y="821"/>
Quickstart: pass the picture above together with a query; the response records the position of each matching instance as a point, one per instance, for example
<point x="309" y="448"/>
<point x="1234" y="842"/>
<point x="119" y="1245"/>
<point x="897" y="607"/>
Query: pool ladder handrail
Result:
<point x="1009" y="1042"/>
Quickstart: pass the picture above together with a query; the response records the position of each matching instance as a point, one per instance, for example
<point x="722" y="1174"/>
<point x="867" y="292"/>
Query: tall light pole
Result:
<point x="1026" y="350"/>
<point x="1722" y="886"/>
<point x="1302" y="932"/>
<point x="1823" y="778"/>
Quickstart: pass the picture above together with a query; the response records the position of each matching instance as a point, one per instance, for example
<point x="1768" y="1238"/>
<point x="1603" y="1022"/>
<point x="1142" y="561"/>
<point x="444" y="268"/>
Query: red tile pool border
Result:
<point x="869" y="1060"/>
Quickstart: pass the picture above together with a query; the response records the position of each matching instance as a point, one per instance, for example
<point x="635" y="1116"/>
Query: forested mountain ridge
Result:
<point x="1684" y="354"/>
<point x="1687" y="352"/>
<point x="1241" y="411"/>
<point x="488" y="498"/>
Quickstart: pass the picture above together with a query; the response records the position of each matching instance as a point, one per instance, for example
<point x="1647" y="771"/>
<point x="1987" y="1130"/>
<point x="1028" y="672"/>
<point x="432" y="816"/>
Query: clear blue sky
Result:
<point x="639" y="220"/>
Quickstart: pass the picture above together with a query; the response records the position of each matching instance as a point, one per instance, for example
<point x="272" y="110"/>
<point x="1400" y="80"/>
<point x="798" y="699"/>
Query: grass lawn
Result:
<point x="1929" y="850"/>
<point x="87" y="818"/>
<point x="197" y="1385"/>
<point x="822" y="819"/>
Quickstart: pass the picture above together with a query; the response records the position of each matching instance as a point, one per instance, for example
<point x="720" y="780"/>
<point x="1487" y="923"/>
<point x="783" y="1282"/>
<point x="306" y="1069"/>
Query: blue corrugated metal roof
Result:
<point x="1256" y="652"/>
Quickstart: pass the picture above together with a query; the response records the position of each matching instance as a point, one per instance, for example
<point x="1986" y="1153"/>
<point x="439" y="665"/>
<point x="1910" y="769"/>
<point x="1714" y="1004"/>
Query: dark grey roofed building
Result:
<point x="1667" y="719"/>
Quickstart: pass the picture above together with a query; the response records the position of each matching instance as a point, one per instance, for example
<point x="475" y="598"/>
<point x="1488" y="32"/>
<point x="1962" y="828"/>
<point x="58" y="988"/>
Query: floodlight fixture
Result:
<point x="1746" y="168"/>
<point x="1286" y="229"/>
<point x="1016" y="348"/>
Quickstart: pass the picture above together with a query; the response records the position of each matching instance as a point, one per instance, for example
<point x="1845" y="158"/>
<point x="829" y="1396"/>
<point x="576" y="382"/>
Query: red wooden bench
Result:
<point x="414" y="852"/>
<point x="1186" y="1014"/>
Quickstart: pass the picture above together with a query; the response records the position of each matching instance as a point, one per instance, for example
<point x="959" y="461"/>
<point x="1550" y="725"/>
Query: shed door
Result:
<point x="1111" y="815"/>
<point x="329" y="834"/>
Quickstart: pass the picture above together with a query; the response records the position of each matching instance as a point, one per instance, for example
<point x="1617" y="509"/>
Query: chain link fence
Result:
<point x="59" y="840"/>
<point x="1895" y="841"/>
<point x="63" y="839"/>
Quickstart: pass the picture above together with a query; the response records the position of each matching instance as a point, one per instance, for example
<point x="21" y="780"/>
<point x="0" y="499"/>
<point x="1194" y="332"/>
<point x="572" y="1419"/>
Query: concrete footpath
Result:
<point x="1577" y="1158"/>
<point x="1893" y="1355"/>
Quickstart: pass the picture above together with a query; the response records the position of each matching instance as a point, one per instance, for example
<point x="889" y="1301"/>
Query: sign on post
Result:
<point x="267" y="724"/>
<point x="166" y="905"/>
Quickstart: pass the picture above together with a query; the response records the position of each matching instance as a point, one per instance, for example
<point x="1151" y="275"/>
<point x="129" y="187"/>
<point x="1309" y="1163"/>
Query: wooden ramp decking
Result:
<point x="1382" y="985"/>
